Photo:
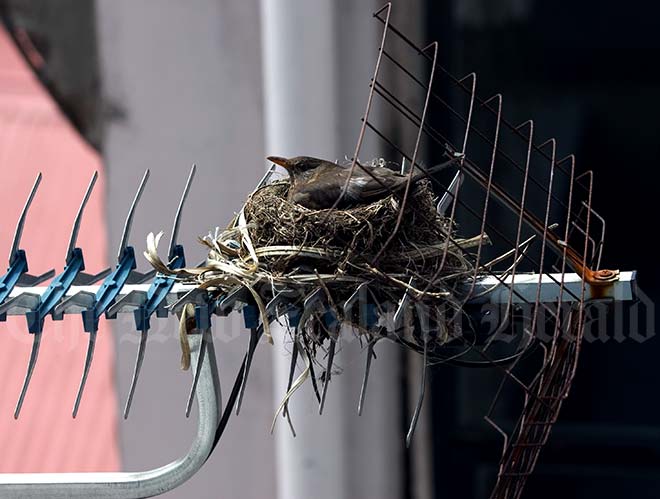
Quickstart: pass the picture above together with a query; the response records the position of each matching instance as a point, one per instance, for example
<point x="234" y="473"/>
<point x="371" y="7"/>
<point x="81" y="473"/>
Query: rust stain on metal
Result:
<point x="600" y="282"/>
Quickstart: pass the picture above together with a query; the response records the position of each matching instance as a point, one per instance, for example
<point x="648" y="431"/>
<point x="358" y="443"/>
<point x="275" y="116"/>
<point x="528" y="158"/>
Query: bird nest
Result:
<point x="412" y="266"/>
<point x="346" y="242"/>
<point x="387" y="269"/>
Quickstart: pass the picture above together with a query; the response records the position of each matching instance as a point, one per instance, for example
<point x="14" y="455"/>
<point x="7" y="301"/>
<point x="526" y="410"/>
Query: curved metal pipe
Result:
<point x="134" y="485"/>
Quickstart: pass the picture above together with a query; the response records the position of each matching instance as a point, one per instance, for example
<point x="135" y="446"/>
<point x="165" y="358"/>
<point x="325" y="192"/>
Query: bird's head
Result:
<point x="298" y="164"/>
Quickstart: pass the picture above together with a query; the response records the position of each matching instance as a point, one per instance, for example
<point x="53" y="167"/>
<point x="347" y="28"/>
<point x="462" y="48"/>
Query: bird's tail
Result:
<point x="421" y="172"/>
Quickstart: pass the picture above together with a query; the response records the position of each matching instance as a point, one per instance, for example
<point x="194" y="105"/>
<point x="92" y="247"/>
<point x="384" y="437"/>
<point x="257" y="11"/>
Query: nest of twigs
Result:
<point x="274" y="244"/>
<point x="354" y="236"/>
<point x="413" y="265"/>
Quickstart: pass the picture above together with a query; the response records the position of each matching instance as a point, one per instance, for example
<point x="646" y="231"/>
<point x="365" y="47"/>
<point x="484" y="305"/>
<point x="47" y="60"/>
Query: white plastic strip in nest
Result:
<point x="245" y="233"/>
<point x="302" y="251"/>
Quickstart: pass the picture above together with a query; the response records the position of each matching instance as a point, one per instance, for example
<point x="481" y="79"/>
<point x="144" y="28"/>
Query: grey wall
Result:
<point x="183" y="82"/>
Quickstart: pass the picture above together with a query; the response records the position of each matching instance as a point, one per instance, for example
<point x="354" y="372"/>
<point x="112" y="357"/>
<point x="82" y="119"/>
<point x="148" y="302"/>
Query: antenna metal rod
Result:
<point x="177" y="218"/>
<point x="76" y="223"/>
<point x="21" y="221"/>
<point x="131" y="212"/>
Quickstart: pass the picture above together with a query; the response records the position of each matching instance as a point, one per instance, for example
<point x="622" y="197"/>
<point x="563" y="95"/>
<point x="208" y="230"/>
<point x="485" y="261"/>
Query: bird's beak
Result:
<point x="283" y="162"/>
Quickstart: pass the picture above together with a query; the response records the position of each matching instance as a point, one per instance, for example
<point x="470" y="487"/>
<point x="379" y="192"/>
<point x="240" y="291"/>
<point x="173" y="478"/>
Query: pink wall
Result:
<point x="34" y="136"/>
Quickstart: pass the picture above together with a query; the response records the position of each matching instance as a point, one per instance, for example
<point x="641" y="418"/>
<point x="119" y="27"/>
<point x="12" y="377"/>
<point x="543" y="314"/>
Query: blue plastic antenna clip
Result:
<point x="294" y="314"/>
<point x="251" y="316"/>
<point x="158" y="291"/>
<point x="56" y="290"/>
<point x="7" y="282"/>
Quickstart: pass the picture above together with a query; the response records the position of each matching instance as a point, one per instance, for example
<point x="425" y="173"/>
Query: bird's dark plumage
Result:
<point x="317" y="183"/>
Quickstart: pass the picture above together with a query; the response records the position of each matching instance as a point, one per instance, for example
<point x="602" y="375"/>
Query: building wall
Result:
<point x="183" y="85"/>
<point x="36" y="137"/>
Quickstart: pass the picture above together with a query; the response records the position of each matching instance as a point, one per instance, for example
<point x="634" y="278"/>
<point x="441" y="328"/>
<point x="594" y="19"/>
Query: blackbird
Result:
<point x="317" y="183"/>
